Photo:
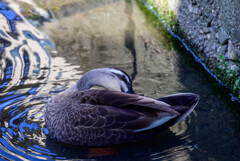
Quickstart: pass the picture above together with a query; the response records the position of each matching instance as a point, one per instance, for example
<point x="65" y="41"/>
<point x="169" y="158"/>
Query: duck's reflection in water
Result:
<point x="165" y="146"/>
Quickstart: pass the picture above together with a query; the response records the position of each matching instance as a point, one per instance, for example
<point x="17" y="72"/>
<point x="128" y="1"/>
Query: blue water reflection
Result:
<point x="25" y="67"/>
<point x="21" y="62"/>
<point x="11" y="17"/>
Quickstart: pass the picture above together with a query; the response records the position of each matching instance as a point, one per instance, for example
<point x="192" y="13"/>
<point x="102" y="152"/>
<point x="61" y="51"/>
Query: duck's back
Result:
<point x="75" y="118"/>
<point x="103" y="117"/>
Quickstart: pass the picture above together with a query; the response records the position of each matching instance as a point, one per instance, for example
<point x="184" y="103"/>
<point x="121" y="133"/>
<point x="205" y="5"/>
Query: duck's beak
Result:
<point x="130" y="91"/>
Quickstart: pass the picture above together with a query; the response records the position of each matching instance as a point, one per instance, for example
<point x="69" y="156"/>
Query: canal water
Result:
<point x="38" y="63"/>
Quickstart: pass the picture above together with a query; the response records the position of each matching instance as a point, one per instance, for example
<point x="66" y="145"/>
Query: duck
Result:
<point x="114" y="114"/>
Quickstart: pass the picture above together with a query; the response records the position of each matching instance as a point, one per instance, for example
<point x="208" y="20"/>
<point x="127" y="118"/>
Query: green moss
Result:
<point x="165" y="38"/>
<point x="221" y="57"/>
<point x="163" y="10"/>
<point x="230" y="78"/>
<point x="236" y="86"/>
<point x="34" y="17"/>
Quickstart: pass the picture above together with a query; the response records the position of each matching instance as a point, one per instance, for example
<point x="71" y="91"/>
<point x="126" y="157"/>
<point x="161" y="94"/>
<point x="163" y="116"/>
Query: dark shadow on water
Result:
<point x="129" y="36"/>
<point x="147" y="149"/>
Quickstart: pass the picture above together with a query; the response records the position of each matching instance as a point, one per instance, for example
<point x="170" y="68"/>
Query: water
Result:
<point x="91" y="34"/>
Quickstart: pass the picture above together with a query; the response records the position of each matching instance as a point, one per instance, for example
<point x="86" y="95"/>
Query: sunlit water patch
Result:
<point x="104" y="33"/>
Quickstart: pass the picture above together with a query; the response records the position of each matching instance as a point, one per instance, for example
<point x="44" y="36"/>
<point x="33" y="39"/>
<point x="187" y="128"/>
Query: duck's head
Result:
<point x="109" y="78"/>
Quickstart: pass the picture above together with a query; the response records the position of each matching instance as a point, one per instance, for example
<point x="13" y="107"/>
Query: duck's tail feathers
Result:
<point x="184" y="103"/>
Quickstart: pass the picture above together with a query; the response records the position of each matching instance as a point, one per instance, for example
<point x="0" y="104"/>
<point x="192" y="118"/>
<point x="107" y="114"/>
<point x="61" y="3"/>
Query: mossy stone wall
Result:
<point x="210" y="28"/>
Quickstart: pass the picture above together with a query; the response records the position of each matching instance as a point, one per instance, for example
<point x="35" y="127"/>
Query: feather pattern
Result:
<point x="103" y="117"/>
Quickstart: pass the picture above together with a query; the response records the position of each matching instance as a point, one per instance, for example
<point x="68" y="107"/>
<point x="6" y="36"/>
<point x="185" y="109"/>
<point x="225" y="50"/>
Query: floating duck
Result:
<point x="114" y="115"/>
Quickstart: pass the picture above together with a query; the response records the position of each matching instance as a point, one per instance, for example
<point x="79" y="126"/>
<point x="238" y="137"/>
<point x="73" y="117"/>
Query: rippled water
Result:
<point x="91" y="34"/>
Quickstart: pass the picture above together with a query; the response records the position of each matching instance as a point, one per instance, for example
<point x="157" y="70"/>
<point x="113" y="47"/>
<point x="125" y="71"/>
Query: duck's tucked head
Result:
<point x="109" y="78"/>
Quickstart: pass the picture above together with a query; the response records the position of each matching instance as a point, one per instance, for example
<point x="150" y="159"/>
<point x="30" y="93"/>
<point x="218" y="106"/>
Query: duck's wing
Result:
<point x="109" y="117"/>
<point x="124" y="100"/>
<point x="118" y="110"/>
<point x="184" y="103"/>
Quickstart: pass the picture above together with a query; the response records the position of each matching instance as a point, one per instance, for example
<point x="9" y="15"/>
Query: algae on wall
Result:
<point x="163" y="9"/>
<point x="204" y="26"/>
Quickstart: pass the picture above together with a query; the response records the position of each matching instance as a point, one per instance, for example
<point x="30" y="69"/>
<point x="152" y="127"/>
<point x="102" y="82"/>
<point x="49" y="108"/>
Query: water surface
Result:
<point x="91" y="34"/>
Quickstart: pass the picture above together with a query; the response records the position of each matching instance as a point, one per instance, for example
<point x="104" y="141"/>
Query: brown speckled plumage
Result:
<point x="104" y="117"/>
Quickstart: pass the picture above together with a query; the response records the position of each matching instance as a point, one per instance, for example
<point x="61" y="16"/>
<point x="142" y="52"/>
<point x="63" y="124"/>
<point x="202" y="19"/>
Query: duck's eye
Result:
<point x="122" y="78"/>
